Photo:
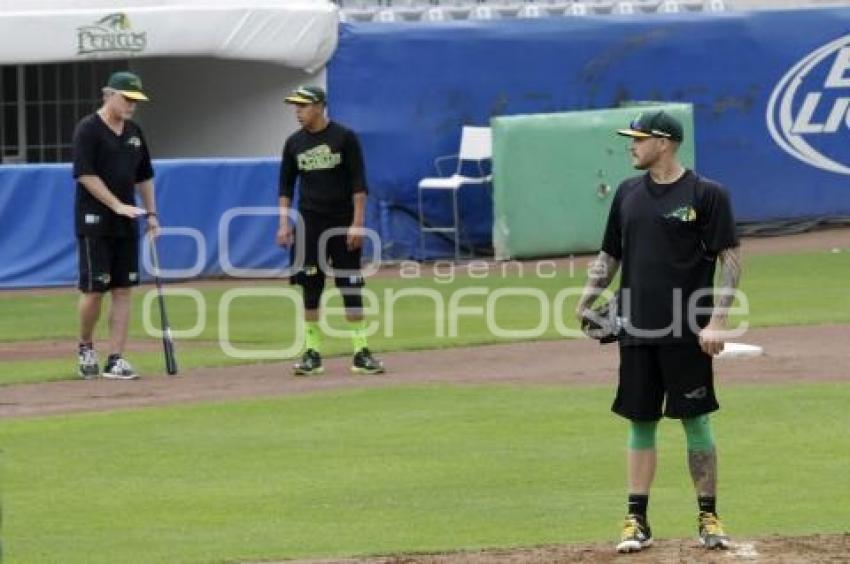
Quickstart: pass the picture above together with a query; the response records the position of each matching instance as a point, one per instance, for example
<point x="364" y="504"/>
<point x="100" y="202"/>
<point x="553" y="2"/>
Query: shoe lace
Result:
<point x="88" y="356"/>
<point x="710" y="524"/>
<point x="123" y="365"/>
<point x="630" y="528"/>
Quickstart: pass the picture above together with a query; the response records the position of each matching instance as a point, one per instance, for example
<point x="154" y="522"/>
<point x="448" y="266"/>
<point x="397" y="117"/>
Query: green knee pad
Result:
<point x="642" y="434"/>
<point x="698" y="433"/>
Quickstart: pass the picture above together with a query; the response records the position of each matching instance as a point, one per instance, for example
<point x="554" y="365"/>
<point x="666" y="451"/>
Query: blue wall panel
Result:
<point x="408" y="88"/>
<point x="38" y="245"/>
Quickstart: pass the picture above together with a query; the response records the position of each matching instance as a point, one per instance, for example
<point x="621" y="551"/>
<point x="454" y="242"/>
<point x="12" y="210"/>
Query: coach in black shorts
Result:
<point x="111" y="161"/>
<point x="326" y="158"/>
<point x="667" y="228"/>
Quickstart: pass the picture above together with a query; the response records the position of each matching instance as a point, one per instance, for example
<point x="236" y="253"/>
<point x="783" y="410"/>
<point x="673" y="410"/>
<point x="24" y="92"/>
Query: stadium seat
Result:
<point x="358" y="10"/>
<point x="692" y="5"/>
<point x="647" y="6"/>
<point x="576" y="9"/>
<point x="555" y="7"/>
<point x="435" y="14"/>
<point x="600" y="6"/>
<point x="476" y="146"/>
<point x="405" y="10"/>
<point x="457" y="10"/>
<point x="624" y="8"/>
<point x="530" y="11"/>
<point x="482" y="12"/>
<point x="506" y="8"/>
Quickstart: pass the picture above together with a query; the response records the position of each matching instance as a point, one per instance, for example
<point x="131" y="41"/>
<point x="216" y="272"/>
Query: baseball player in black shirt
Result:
<point x="326" y="158"/>
<point x="111" y="161"/>
<point x="667" y="228"/>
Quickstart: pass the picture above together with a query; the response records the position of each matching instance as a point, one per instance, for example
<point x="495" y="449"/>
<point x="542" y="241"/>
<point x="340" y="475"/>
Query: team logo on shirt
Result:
<point x="318" y="158"/>
<point x="134" y="142"/>
<point x="685" y="214"/>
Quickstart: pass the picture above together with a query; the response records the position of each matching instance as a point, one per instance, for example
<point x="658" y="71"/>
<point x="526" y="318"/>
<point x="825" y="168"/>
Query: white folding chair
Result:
<point x="476" y="146"/>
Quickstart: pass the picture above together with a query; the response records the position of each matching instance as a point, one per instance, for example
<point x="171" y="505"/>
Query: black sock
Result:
<point x="638" y="504"/>
<point x="707" y="503"/>
<point x="84" y="346"/>
<point x="112" y="358"/>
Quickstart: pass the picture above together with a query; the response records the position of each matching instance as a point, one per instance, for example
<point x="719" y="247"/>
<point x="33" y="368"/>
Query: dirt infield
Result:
<point x="784" y="550"/>
<point x="791" y="353"/>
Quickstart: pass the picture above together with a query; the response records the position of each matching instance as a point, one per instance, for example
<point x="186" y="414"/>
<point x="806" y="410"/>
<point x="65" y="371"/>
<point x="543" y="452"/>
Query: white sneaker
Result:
<point x="119" y="369"/>
<point x="87" y="363"/>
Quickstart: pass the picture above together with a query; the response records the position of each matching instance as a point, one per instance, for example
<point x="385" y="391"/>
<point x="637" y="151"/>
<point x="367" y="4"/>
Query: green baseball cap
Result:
<point x="654" y="124"/>
<point x="307" y="95"/>
<point x="128" y="84"/>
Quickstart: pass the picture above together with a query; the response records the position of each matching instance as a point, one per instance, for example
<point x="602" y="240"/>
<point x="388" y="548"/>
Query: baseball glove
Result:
<point x="602" y="323"/>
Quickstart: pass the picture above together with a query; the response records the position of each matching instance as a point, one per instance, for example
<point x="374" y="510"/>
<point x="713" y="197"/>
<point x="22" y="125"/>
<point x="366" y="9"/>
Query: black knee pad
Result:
<point x="350" y="287"/>
<point x="312" y="280"/>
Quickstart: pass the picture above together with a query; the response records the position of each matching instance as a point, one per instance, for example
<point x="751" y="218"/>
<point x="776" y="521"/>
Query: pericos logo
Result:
<point x="808" y="114"/>
<point x="109" y="34"/>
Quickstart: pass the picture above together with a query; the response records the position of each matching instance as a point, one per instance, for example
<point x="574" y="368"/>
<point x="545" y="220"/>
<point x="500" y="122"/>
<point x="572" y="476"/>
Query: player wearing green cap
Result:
<point x="326" y="157"/>
<point x="111" y="162"/>
<point x="667" y="228"/>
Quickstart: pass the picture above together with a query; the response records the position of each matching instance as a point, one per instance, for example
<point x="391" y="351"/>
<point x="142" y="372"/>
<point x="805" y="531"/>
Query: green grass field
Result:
<point x="403" y="469"/>
<point x="806" y="288"/>
<point x="400" y="470"/>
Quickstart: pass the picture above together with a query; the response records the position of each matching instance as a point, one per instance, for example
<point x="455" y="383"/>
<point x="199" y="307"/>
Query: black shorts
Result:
<point x="679" y="373"/>
<point x="336" y="252"/>
<point x="107" y="262"/>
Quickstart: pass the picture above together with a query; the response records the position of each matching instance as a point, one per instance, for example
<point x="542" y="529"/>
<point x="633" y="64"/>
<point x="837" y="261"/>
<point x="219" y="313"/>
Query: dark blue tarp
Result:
<point x="408" y="88"/>
<point x="38" y="245"/>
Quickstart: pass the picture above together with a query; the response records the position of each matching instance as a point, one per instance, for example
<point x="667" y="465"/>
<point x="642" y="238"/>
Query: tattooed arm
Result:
<point x="600" y="273"/>
<point x="711" y="338"/>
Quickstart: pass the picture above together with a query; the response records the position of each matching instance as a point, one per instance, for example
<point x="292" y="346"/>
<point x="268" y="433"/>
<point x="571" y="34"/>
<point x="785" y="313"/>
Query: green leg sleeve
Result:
<point x="642" y="434"/>
<point x="698" y="433"/>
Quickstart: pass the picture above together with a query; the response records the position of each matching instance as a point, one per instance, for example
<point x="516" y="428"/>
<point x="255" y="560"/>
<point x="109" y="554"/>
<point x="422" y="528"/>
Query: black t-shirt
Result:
<point x="667" y="237"/>
<point x="121" y="162"/>
<point x="330" y="166"/>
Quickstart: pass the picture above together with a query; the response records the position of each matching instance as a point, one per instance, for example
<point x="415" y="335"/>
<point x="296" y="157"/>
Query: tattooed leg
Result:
<point x="703" y="467"/>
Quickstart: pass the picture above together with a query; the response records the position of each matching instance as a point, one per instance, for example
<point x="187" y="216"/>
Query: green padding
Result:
<point x="642" y="434"/>
<point x="698" y="433"/>
<point x="554" y="176"/>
